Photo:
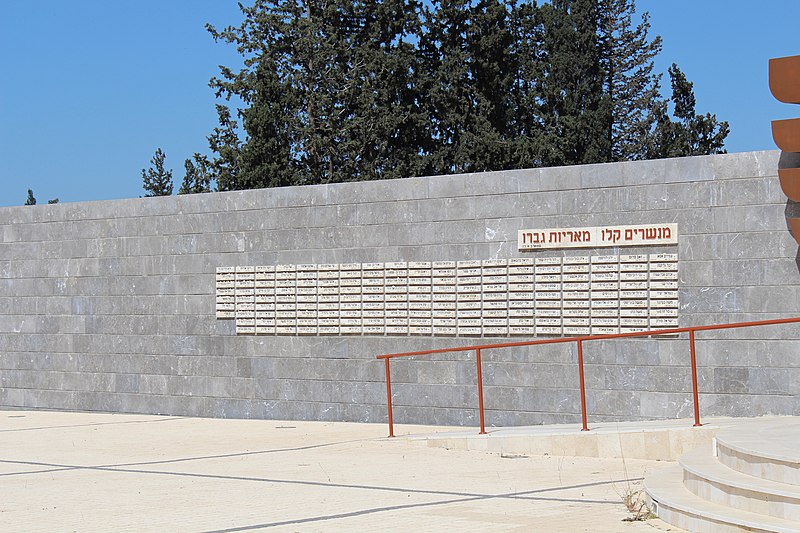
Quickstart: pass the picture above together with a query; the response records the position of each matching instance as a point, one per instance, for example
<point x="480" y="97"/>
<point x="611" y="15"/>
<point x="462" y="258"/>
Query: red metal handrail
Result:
<point x="579" y="341"/>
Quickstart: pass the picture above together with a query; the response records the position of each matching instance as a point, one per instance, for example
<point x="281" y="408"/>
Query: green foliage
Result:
<point x="626" y="56"/>
<point x="375" y="89"/>
<point x="469" y="64"/>
<point x="157" y="181"/>
<point x="198" y="175"/>
<point x="691" y="134"/>
<point x="53" y="201"/>
<point x="576" y="112"/>
<point x="31" y="199"/>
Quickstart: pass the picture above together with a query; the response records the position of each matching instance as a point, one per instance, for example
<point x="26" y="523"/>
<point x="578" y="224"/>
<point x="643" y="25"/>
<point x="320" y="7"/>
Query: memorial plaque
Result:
<point x="605" y="330"/>
<point x="549" y="313"/>
<point x="548" y="330"/>
<point x="637" y="258"/>
<point x="494" y="296"/>
<point x="633" y="303"/>
<point x="605" y="312"/>
<point x="632" y="276"/>
<point x="664" y="257"/>
<point x="663" y="303"/>
<point x="663" y="266"/>
<point x="452" y="298"/>
<point x="576" y="330"/>
<point x="634" y="312"/>
<point x="637" y="322"/>
<point x="663" y="276"/>
<point x="664" y="312"/>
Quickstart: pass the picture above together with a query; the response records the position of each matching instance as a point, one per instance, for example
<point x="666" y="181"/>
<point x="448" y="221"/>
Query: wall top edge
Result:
<point x="548" y="179"/>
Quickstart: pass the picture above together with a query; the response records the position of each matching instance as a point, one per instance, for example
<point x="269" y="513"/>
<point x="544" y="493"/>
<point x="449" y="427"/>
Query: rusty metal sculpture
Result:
<point x="784" y="83"/>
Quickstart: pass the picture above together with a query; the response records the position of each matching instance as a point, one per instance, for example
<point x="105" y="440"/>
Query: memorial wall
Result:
<point x="273" y="303"/>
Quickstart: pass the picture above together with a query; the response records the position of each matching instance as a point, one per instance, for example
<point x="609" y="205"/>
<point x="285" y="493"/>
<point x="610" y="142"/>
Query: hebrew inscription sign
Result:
<point x="598" y="236"/>
<point x="497" y="297"/>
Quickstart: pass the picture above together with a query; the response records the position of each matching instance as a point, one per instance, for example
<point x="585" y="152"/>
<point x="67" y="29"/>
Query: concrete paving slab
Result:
<point x="112" y="472"/>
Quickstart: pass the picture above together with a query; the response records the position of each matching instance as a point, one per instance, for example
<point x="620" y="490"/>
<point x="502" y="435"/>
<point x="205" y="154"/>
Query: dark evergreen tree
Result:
<point x="224" y="141"/>
<point x="156" y="180"/>
<point x="31" y="199"/>
<point x="370" y="89"/>
<point x="576" y="112"/>
<point x="528" y="142"/>
<point x="198" y="176"/>
<point x="328" y="92"/>
<point x="467" y="50"/>
<point x="632" y="86"/>
<point x="385" y="134"/>
<point x="691" y="133"/>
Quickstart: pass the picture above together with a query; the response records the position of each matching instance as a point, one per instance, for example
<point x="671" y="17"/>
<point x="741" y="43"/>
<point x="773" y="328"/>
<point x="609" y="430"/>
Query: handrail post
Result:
<point x="389" y="397"/>
<point x="480" y="390"/>
<point x="695" y="394"/>
<point x="582" y="386"/>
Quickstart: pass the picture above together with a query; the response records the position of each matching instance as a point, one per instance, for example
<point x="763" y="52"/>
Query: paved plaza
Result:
<point x="111" y="472"/>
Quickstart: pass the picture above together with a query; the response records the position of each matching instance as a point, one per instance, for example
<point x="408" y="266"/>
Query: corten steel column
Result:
<point x="695" y="394"/>
<point x="480" y="390"/>
<point x="582" y="386"/>
<point x="389" y="397"/>
<point x="784" y="83"/>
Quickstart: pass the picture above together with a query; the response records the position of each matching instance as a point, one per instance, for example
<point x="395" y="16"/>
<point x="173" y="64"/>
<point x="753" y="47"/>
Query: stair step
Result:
<point x="764" y="448"/>
<point x="676" y="505"/>
<point x="711" y="480"/>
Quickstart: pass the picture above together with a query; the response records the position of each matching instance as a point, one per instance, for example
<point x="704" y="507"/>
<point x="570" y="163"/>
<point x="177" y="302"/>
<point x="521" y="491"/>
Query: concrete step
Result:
<point x="663" y="440"/>
<point x="709" y="479"/>
<point x="766" y="449"/>
<point x="675" y="504"/>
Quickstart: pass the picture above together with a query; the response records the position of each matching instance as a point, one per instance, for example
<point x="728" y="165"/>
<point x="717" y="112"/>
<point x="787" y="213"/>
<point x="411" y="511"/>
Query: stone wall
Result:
<point x="110" y="306"/>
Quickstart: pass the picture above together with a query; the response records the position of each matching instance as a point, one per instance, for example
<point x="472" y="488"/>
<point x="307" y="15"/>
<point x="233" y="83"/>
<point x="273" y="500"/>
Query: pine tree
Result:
<point x="31" y="199"/>
<point x="630" y="81"/>
<point x="372" y="89"/>
<point x="197" y="178"/>
<point x="576" y="112"/>
<point x="691" y="134"/>
<point x="157" y="181"/>
<point x="224" y="141"/>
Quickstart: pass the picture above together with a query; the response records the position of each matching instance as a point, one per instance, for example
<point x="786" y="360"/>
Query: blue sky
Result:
<point x="90" y="88"/>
